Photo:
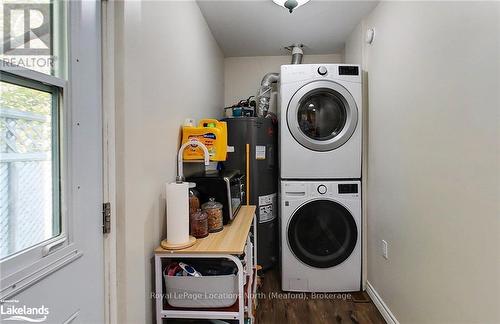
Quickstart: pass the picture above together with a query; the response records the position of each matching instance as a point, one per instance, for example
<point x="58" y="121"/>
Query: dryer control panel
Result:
<point x="310" y="72"/>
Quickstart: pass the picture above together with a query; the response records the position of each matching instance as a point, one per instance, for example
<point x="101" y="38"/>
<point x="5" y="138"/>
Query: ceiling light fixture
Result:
<point x="290" y="4"/>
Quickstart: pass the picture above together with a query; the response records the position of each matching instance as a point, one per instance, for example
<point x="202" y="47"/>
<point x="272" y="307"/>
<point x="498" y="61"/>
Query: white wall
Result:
<point x="242" y="75"/>
<point x="353" y="55"/>
<point x="354" y="46"/>
<point x="168" y="67"/>
<point x="434" y="159"/>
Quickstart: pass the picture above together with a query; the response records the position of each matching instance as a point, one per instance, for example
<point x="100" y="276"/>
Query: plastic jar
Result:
<point x="198" y="222"/>
<point x="214" y="212"/>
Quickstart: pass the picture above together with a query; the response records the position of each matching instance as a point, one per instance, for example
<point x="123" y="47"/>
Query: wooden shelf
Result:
<point x="231" y="240"/>
<point x="226" y="244"/>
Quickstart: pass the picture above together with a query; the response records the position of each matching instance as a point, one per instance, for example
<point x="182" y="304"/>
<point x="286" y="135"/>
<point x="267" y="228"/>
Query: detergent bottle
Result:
<point x="212" y="133"/>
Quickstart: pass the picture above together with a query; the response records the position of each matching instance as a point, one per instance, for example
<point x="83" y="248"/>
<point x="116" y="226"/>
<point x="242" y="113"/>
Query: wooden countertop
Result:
<point x="231" y="240"/>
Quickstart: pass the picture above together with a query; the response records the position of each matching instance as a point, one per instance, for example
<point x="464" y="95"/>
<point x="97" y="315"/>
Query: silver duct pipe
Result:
<point x="297" y="54"/>
<point x="264" y="94"/>
<point x="270" y="78"/>
<point x="273" y="77"/>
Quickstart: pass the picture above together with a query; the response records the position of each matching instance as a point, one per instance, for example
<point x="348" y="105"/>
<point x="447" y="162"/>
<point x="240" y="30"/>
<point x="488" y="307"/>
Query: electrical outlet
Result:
<point x="385" y="250"/>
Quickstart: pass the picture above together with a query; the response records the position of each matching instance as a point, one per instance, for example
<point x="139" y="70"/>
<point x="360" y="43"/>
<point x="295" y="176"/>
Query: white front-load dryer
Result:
<point x="320" y="121"/>
<point x="320" y="233"/>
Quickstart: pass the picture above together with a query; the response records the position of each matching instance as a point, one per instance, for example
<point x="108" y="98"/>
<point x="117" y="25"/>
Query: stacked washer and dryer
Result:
<point x="320" y="186"/>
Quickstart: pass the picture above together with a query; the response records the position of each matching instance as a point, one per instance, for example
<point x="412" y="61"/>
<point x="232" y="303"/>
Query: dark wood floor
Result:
<point x="274" y="308"/>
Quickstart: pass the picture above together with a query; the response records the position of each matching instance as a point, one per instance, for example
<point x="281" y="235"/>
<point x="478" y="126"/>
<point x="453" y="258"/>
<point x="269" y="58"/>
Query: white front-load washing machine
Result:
<point x="320" y="233"/>
<point x="320" y="121"/>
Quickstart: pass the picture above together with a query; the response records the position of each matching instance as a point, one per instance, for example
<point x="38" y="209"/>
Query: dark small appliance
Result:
<point x="226" y="186"/>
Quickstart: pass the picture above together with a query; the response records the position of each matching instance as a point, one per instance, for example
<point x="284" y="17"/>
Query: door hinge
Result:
<point x="106" y="217"/>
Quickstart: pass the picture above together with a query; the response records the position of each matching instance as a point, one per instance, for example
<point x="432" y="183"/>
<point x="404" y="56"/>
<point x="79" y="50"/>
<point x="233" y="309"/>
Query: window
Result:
<point x="29" y="164"/>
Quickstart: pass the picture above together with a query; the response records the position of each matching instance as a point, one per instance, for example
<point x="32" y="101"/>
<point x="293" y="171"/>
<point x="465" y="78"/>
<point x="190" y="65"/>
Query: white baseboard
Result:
<point x="380" y="304"/>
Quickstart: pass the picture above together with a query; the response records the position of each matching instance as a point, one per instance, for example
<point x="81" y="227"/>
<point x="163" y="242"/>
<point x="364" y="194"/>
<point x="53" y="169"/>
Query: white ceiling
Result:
<point x="260" y="27"/>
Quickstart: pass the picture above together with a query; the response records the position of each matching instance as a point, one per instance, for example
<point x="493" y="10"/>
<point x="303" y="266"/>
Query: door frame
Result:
<point x="109" y="160"/>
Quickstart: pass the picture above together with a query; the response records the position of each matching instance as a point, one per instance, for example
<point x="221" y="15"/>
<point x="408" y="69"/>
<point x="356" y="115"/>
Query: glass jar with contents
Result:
<point x="214" y="212"/>
<point x="199" y="224"/>
<point x="194" y="199"/>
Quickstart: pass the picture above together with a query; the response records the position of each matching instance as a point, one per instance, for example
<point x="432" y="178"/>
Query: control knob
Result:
<point x="322" y="70"/>
<point x="322" y="189"/>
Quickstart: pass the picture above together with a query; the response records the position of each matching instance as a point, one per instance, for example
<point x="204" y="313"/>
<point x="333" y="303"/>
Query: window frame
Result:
<point x="56" y="112"/>
<point x="32" y="264"/>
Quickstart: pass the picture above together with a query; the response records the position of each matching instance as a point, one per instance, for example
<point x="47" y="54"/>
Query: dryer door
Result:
<point x="322" y="115"/>
<point x="322" y="233"/>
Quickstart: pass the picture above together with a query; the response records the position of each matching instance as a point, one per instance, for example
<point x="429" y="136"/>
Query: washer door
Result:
<point x="322" y="233"/>
<point x="322" y="115"/>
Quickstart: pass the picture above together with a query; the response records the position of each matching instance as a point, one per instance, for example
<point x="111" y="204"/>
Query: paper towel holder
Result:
<point x="191" y="142"/>
<point x="180" y="179"/>
<point x="169" y="246"/>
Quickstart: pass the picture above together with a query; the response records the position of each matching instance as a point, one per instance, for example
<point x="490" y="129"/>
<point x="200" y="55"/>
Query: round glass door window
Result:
<point x="322" y="115"/>
<point x="322" y="233"/>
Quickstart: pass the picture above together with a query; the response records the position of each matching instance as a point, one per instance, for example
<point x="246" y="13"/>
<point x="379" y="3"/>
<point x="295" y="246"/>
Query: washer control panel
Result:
<point x="299" y="189"/>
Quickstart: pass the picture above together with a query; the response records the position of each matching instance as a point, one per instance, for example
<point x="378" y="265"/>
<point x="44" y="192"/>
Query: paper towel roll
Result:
<point x="177" y="213"/>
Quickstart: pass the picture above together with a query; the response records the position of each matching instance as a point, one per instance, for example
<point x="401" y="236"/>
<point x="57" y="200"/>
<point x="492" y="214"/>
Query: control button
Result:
<point x="322" y="189"/>
<point x="322" y="70"/>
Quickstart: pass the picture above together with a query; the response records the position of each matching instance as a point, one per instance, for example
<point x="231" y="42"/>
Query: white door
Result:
<point x="51" y="239"/>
